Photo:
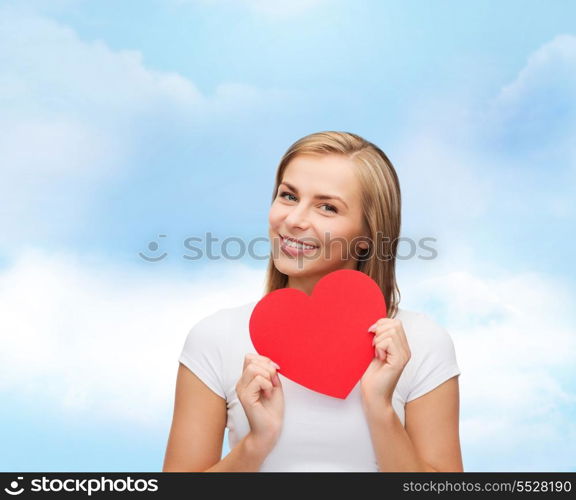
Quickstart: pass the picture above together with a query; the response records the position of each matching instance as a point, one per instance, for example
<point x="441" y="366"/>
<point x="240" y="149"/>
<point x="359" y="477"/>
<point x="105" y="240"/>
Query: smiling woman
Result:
<point x="333" y="190"/>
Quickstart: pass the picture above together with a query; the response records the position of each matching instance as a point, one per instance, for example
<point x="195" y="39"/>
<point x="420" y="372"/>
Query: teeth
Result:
<point x="293" y="244"/>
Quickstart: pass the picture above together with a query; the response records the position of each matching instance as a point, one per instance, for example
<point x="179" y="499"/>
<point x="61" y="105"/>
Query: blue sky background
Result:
<point x="122" y="121"/>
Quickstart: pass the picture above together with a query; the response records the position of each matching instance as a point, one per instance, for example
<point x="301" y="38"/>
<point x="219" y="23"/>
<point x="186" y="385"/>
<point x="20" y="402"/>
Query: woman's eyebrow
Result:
<point x="318" y="196"/>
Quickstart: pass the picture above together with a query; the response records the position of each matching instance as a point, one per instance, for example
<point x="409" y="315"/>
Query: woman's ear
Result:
<point x="365" y="240"/>
<point x="364" y="244"/>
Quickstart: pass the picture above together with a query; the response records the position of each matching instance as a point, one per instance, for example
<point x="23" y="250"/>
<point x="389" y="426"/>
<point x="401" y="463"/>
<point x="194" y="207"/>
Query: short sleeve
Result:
<point x="435" y="358"/>
<point x="202" y="354"/>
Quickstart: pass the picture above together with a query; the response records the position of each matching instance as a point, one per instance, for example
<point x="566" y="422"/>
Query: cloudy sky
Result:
<point x="126" y="128"/>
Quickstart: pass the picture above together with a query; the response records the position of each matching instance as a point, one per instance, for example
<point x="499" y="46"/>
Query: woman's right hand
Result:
<point x="260" y="392"/>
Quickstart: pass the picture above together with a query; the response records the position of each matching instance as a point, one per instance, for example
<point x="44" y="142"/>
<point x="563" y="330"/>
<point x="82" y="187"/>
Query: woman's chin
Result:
<point x="299" y="267"/>
<point x="294" y="266"/>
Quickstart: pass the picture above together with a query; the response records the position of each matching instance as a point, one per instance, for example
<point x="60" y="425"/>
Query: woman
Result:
<point x="335" y="205"/>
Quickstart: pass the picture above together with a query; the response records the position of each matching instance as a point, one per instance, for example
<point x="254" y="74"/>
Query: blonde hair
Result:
<point x="381" y="206"/>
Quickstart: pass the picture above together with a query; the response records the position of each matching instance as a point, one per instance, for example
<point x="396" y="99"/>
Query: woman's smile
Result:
<point x="293" y="248"/>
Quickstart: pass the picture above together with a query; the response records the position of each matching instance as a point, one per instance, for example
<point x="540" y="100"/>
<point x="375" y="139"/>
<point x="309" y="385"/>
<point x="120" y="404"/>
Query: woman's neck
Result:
<point x="305" y="285"/>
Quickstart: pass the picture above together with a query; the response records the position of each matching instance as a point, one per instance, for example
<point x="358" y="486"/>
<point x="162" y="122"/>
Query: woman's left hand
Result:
<point x="392" y="354"/>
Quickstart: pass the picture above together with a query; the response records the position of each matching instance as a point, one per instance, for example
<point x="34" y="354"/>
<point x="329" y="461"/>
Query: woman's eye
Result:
<point x="286" y="192"/>
<point x="331" y="208"/>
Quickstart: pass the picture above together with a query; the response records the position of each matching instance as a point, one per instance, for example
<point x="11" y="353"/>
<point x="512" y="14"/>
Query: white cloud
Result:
<point x="102" y="341"/>
<point x="442" y="186"/>
<point x="549" y="74"/>
<point x="462" y="161"/>
<point x="77" y="114"/>
<point x="516" y="345"/>
<point x="76" y="100"/>
<point x="535" y="113"/>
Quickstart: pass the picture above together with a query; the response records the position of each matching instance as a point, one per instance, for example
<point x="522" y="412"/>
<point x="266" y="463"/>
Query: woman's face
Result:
<point x="333" y="225"/>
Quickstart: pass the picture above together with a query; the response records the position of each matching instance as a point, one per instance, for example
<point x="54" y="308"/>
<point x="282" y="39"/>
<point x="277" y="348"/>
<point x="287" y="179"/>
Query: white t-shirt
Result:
<point x="320" y="433"/>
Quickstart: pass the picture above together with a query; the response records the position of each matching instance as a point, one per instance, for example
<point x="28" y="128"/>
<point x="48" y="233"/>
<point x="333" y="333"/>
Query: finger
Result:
<point x="381" y="322"/>
<point x="382" y="335"/>
<point x="266" y="365"/>
<point x="389" y="340"/>
<point x="248" y="359"/>
<point x="267" y="359"/>
<point x="251" y="371"/>
<point x="257" y="358"/>
<point x="262" y="358"/>
<point x="260" y="383"/>
<point x="254" y="369"/>
<point x="392" y="348"/>
<point x="384" y="347"/>
<point x="390" y="327"/>
<point x="373" y="327"/>
<point x="383" y="329"/>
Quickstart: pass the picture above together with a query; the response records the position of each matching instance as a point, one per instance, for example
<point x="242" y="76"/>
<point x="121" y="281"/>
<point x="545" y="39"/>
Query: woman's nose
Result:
<point x="297" y="217"/>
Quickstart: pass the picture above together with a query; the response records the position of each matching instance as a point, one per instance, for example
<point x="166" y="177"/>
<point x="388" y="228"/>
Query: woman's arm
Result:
<point x="247" y="456"/>
<point x="429" y="443"/>
<point x="197" y="432"/>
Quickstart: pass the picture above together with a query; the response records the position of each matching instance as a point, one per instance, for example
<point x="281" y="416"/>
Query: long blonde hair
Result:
<point x="381" y="206"/>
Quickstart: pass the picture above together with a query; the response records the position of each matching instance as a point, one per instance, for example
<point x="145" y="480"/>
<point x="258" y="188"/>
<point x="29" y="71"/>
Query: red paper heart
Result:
<point x="320" y="341"/>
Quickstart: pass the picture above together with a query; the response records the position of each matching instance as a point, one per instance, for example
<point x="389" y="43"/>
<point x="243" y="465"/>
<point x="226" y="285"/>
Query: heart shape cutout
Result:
<point x="320" y="341"/>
